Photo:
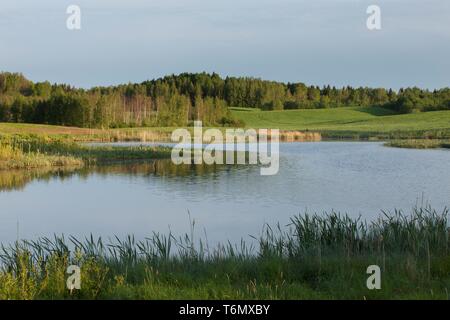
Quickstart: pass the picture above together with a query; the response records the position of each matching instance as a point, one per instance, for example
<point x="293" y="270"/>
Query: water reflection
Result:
<point x="17" y="180"/>
<point x="229" y="202"/>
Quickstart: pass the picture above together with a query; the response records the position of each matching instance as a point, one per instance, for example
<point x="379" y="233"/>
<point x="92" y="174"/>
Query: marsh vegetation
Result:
<point x="313" y="257"/>
<point x="419" y="144"/>
<point x="32" y="151"/>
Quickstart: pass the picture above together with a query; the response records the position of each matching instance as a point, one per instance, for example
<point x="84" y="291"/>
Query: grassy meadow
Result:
<point x="338" y="123"/>
<point x="351" y="122"/>
<point x="314" y="257"/>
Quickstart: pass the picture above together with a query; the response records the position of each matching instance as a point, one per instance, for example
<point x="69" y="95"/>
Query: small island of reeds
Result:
<point x="36" y="151"/>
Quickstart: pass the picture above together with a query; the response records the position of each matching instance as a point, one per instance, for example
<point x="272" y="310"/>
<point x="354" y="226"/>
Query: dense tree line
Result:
<point x="416" y="100"/>
<point x="161" y="104"/>
<point x="179" y="99"/>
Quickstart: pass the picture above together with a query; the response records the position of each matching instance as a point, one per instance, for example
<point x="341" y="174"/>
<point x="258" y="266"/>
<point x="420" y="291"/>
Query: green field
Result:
<point x="352" y="122"/>
<point x="347" y="123"/>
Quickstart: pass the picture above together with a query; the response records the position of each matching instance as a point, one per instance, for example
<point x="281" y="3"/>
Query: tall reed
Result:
<point x="327" y="252"/>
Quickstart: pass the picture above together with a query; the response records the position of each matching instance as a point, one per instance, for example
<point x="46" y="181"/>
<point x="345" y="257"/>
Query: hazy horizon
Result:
<point x="320" y="42"/>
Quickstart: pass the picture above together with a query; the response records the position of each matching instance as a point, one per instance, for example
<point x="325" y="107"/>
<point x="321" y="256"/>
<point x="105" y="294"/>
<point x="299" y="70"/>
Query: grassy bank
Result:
<point x="86" y="135"/>
<point x="315" y="257"/>
<point x="352" y="123"/>
<point x="33" y="151"/>
<point x="15" y="158"/>
<point x="419" y="144"/>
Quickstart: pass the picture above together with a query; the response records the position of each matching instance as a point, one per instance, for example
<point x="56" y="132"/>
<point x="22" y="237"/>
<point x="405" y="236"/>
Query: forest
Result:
<point x="177" y="100"/>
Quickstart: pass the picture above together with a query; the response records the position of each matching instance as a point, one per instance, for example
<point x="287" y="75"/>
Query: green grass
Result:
<point x="86" y="134"/>
<point x="337" y="123"/>
<point x="315" y="257"/>
<point x="352" y="122"/>
<point x="14" y="157"/>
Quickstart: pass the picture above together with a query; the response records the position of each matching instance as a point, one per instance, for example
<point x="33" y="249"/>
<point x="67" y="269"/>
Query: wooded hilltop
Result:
<point x="177" y="100"/>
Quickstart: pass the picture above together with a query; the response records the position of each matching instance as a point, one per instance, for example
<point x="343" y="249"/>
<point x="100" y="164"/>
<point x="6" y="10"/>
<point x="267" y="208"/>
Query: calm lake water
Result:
<point x="229" y="202"/>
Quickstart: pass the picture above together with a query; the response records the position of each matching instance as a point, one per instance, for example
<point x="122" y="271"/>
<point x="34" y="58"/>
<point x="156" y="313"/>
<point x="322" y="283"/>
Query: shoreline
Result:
<point x="323" y="257"/>
<point x="31" y="152"/>
<point x="419" y="144"/>
<point x="63" y="146"/>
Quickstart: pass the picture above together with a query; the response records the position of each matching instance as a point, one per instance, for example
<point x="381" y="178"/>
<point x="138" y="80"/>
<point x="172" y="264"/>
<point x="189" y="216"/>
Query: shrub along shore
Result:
<point x="314" y="257"/>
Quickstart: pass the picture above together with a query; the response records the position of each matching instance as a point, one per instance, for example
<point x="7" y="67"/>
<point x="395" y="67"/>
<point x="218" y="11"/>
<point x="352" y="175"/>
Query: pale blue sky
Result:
<point x="313" y="41"/>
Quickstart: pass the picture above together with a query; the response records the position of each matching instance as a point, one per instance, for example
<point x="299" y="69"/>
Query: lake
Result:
<point x="229" y="202"/>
